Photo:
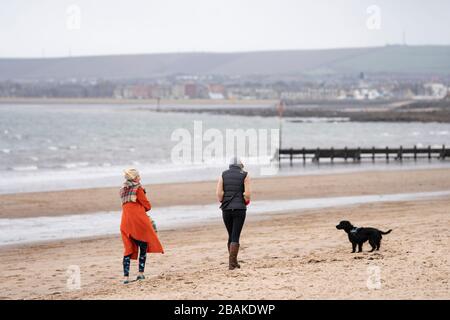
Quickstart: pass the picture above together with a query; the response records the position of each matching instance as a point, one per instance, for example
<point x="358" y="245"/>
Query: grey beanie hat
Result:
<point x="236" y="161"/>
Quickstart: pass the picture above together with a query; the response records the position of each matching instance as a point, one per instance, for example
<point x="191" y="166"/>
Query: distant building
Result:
<point x="432" y="91"/>
<point x="217" y="88"/>
<point x="216" y="96"/>
<point x="139" y="92"/>
<point x="312" y="94"/>
<point x="190" y="90"/>
<point x="216" y="91"/>
<point x="178" y="91"/>
<point x="266" y="93"/>
<point x="366" y="94"/>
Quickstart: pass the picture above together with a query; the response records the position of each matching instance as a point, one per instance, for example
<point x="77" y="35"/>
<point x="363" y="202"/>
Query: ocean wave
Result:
<point x="97" y="176"/>
<point x="319" y="120"/>
<point x="53" y="148"/>
<point x="25" y="168"/>
<point x="439" y="133"/>
<point x="7" y="151"/>
<point x="72" y="165"/>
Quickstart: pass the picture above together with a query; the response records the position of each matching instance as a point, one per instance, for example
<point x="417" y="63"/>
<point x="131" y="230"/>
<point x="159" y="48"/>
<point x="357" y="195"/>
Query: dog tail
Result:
<point x="387" y="232"/>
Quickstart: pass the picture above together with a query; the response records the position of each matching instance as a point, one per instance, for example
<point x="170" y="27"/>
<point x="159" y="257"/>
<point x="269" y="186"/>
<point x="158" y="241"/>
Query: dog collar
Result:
<point x="354" y="230"/>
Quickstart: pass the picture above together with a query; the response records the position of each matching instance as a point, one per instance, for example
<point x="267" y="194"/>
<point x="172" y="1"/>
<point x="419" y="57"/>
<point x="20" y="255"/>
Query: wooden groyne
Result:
<point x="357" y="154"/>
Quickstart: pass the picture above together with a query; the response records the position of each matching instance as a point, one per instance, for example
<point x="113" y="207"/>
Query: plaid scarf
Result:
<point x="128" y="191"/>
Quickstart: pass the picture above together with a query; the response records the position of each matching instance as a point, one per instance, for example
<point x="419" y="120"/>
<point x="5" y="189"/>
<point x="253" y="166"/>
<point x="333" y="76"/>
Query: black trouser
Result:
<point x="142" y="257"/>
<point x="234" y="221"/>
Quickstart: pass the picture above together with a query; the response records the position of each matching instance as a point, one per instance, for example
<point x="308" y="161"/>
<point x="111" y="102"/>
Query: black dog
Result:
<point x="358" y="236"/>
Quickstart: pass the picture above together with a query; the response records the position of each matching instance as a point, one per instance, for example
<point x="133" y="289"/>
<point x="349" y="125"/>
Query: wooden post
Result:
<point x="304" y="154"/>
<point x="317" y="156"/>
<point x="373" y="154"/>
<point x="291" y="155"/>
<point x="415" y="152"/>
<point x="358" y="155"/>
<point x="345" y="153"/>
<point x="332" y="154"/>
<point x="158" y="101"/>
<point x="429" y="152"/>
<point x="387" y="154"/>
<point x="400" y="153"/>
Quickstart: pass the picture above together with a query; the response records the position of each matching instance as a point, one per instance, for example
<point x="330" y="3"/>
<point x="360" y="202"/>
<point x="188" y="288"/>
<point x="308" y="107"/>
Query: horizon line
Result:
<point x="221" y="52"/>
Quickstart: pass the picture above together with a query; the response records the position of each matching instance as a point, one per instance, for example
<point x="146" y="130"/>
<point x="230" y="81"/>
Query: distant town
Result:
<point x="349" y="87"/>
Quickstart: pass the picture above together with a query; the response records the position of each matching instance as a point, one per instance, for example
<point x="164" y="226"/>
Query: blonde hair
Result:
<point x="131" y="174"/>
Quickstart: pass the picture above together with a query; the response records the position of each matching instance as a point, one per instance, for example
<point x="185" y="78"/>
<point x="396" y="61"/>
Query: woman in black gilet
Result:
<point x="233" y="191"/>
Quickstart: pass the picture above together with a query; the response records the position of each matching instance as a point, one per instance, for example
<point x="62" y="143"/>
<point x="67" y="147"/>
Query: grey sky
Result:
<point x="45" y="28"/>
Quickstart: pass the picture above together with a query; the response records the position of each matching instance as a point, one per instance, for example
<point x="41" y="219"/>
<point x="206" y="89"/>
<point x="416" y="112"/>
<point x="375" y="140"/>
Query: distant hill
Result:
<point x="390" y="59"/>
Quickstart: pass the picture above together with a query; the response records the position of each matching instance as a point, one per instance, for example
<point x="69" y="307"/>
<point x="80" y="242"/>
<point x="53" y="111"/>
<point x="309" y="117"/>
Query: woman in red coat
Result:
<point x="138" y="235"/>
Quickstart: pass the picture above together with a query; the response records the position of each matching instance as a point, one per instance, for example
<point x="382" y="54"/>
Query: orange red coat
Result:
<point x="137" y="225"/>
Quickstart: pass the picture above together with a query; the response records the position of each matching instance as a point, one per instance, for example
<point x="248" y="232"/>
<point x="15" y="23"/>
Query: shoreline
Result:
<point x="428" y="111"/>
<point x="87" y="101"/>
<point x="81" y="201"/>
<point x="54" y="229"/>
<point x="432" y="111"/>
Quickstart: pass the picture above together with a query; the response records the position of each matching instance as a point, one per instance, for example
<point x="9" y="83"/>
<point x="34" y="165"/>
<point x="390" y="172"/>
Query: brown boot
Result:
<point x="237" y="263"/>
<point x="233" y="263"/>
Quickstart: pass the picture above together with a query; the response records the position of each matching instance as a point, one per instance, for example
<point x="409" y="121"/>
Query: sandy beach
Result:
<point x="296" y="255"/>
<point x="56" y="203"/>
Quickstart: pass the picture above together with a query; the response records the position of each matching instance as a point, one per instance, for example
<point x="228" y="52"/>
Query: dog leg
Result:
<point x="373" y="245"/>
<point x="359" y="247"/>
<point x="353" y="247"/>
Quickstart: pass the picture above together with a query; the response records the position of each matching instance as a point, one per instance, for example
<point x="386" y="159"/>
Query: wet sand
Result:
<point x="297" y="255"/>
<point x="294" y="256"/>
<point x="67" y="202"/>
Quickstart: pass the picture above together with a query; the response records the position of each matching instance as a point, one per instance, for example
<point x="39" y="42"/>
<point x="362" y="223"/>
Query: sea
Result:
<point x="58" y="147"/>
<point x="54" y="147"/>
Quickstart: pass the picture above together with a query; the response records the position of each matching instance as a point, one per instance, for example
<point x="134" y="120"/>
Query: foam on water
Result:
<point x="25" y="168"/>
<point x="71" y="165"/>
<point x="33" y="178"/>
<point x="28" y="230"/>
